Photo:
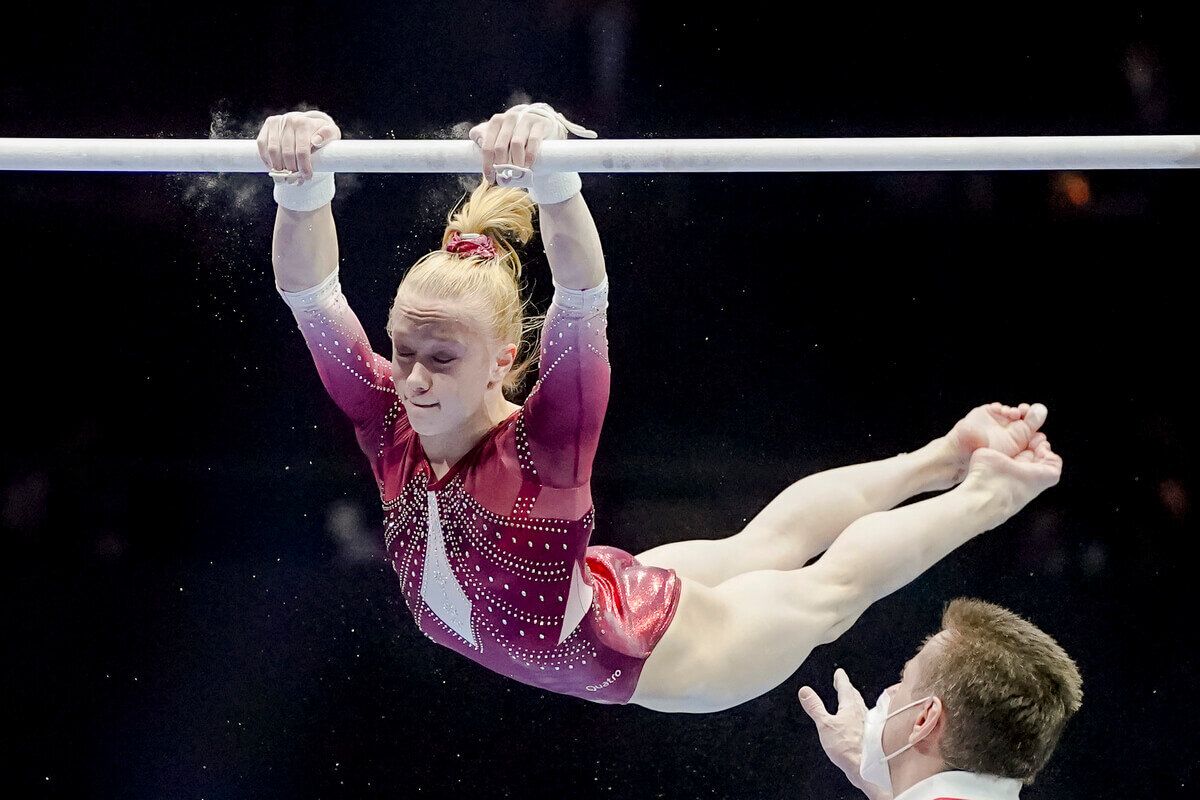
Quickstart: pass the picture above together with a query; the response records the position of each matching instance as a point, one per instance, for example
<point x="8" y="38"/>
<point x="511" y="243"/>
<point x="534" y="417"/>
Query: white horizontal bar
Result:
<point x="627" y="155"/>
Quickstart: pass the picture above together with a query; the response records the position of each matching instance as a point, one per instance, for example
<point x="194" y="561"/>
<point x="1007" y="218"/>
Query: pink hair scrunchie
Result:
<point x="471" y="244"/>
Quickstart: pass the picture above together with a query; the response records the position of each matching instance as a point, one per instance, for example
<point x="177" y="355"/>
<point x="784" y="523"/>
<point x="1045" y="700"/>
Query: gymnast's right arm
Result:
<point x="305" y="260"/>
<point x="305" y="249"/>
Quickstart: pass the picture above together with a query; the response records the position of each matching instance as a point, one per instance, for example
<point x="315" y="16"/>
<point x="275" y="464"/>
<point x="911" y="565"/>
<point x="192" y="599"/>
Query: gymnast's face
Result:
<point x="444" y="363"/>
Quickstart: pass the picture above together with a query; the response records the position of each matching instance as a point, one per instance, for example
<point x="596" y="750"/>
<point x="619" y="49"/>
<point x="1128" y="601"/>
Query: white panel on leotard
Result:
<point x="579" y="601"/>
<point x="439" y="588"/>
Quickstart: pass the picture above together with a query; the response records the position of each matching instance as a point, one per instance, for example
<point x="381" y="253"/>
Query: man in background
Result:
<point x="975" y="716"/>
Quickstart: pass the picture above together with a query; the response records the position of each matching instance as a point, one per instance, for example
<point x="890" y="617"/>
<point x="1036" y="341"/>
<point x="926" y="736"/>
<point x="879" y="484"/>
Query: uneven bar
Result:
<point x="982" y="153"/>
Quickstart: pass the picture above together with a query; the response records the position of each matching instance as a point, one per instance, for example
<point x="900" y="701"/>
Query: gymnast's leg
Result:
<point x="806" y="517"/>
<point x="733" y="642"/>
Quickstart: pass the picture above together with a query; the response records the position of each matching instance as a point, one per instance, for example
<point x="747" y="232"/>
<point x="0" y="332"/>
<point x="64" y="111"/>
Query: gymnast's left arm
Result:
<point x="514" y="139"/>
<point x="564" y="413"/>
<point x="572" y="244"/>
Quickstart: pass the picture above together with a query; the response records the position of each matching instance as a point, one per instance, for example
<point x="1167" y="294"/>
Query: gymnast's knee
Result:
<point x="830" y="597"/>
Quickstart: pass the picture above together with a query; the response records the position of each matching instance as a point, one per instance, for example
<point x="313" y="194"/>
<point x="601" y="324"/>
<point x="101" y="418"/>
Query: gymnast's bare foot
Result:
<point x="1005" y="429"/>
<point x="1013" y="481"/>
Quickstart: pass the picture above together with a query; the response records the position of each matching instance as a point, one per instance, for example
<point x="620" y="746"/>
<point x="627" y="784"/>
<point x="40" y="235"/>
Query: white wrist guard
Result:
<point x="554" y="187"/>
<point x="309" y="196"/>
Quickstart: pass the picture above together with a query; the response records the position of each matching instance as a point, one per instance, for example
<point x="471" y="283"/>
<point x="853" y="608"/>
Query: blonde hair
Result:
<point x="1007" y="688"/>
<point x="491" y="286"/>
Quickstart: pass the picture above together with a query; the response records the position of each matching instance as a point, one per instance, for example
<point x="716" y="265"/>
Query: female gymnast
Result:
<point x="487" y="503"/>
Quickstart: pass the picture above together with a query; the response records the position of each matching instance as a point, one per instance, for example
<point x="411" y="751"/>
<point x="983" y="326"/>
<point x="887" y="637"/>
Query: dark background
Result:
<point x="197" y="610"/>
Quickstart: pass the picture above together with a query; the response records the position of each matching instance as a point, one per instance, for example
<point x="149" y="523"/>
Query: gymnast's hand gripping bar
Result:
<point x="981" y="153"/>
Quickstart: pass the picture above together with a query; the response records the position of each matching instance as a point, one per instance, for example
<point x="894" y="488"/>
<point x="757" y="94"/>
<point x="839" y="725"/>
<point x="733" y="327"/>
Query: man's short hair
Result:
<point x="1007" y="691"/>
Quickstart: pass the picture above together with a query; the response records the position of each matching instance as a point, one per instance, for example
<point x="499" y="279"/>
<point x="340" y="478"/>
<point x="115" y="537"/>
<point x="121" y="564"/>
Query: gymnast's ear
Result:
<point x="506" y="356"/>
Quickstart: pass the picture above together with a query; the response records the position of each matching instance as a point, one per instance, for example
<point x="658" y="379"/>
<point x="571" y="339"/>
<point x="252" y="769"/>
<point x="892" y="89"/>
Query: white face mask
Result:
<point x="874" y="766"/>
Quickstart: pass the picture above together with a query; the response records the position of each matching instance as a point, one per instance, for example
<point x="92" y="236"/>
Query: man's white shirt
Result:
<point x="957" y="785"/>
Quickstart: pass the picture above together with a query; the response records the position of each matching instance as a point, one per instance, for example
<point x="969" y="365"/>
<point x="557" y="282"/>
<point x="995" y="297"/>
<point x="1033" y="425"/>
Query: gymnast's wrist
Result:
<point x="554" y="187"/>
<point x="314" y="193"/>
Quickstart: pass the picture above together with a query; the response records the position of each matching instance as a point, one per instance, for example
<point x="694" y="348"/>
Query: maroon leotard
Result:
<point x="493" y="557"/>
